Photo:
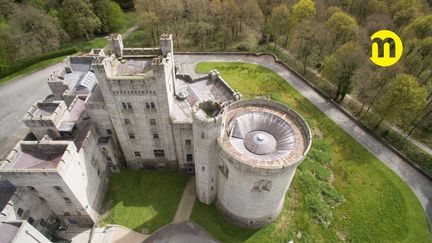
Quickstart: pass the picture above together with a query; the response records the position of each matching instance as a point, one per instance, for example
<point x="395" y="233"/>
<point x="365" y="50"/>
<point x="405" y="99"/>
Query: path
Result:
<point x="419" y="144"/>
<point x="184" y="209"/>
<point x="421" y="186"/>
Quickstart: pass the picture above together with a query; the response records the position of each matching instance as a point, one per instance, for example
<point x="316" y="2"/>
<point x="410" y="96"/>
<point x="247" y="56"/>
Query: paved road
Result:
<point x="16" y="97"/>
<point x="421" y="185"/>
<point x="184" y="209"/>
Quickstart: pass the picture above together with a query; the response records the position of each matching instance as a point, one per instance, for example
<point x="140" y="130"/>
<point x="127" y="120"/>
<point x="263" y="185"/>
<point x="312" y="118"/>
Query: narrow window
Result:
<point x="109" y="131"/>
<point x="131" y="136"/>
<point x="67" y="200"/>
<point x="188" y="142"/>
<point x="32" y="188"/>
<point x="124" y="106"/>
<point x="30" y="220"/>
<point x="202" y="135"/>
<point x="108" y="158"/>
<point x="20" y="212"/>
<point x="129" y="106"/>
<point x="152" y="104"/>
<point x="137" y="154"/>
<point x="147" y="105"/>
<point x="58" y="189"/>
<point x="153" y="122"/>
<point x="155" y="136"/>
<point x="42" y="199"/>
<point x="189" y="157"/>
<point x="127" y="121"/>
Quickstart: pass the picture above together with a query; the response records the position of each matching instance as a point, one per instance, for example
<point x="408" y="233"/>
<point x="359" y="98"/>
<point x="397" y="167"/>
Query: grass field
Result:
<point x="378" y="206"/>
<point x="143" y="199"/>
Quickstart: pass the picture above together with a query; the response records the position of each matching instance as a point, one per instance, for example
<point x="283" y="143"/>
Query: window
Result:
<point x="129" y="106"/>
<point x="224" y="170"/>
<point x="188" y="142"/>
<point x="32" y="188"/>
<point x="66" y="214"/>
<point x="66" y="199"/>
<point x="131" y="136"/>
<point x="58" y="189"/>
<point x="155" y="136"/>
<point x="137" y="154"/>
<point x="262" y="185"/>
<point x="30" y="220"/>
<point x="202" y="135"/>
<point x="42" y="199"/>
<point x="127" y="121"/>
<point x="108" y="158"/>
<point x="189" y="157"/>
<point x="153" y="122"/>
<point x="124" y="106"/>
<point x="20" y="212"/>
<point x="147" y="105"/>
<point x="109" y="131"/>
<point x="159" y="153"/>
<point x="152" y="104"/>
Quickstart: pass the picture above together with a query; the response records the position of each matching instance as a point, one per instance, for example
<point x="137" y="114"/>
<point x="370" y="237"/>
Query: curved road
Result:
<point x="421" y="185"/>
<point x="17" y="96"/>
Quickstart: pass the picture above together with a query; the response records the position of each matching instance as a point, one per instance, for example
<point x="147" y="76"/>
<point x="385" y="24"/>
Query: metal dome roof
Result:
<point x="261" y="133"/>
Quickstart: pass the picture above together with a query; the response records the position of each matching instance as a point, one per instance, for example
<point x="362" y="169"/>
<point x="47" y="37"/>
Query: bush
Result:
<point x="319" y="156"/>
<point x="318" y="209"/>
<point x="332" y="197"/>
<point x="24" y="64"/>
<point x="317" y="169"/>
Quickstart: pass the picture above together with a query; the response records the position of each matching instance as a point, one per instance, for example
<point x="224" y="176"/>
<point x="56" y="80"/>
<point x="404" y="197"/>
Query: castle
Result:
<point x="137" y="108"/>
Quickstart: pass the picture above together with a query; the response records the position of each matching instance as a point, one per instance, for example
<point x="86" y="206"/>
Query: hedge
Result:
<point x="24" y="64"/>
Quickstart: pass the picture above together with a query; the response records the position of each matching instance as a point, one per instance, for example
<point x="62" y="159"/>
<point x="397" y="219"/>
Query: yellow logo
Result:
<point x="387" y="48"/>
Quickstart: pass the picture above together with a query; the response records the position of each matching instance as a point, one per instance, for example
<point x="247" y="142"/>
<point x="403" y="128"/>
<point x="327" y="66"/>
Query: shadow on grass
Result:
<point x="143" y="199"/>
<point x="208" y="217"/>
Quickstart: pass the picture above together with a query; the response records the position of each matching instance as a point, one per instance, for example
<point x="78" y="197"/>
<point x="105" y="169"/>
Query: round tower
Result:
<point x="207" y="120"/>
<point x="260" y="147"/>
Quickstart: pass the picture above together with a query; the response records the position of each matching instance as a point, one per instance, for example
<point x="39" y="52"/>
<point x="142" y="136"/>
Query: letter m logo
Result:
<point x="386" y="48"/>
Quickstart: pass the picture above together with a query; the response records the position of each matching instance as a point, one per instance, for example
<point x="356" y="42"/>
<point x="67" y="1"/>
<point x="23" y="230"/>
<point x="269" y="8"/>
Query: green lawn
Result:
<point x="378" y="206"/>
<point x="143" y="199"/>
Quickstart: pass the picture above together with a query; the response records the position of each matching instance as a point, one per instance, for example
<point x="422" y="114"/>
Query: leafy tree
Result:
<point x="420" y="28"/>
<point x="37" y="31"/>
<point x="110" y="15"/>
<point x="418" y="60"/>
<point x="250" y="15"/>
<point x="404" y="11"/>
<point x="340" y="68"/>
<point x="279" y="22"/>
<point x="402" y="101"/>
<point x="342" y="28"/>
<point x="305" y="42"/>
<point x="78" y="18"/>
<point x="304" y="10"/>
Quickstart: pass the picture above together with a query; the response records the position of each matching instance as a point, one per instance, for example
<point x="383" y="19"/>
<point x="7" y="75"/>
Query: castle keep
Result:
<point x="138" y="109"/>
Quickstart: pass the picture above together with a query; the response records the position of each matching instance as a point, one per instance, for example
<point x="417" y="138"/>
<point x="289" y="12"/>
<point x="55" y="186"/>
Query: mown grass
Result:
<point x="378" y="206"/>
<point x="143" y="199"/>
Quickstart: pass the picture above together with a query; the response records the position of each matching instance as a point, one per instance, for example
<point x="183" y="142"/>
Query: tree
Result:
<point x="37" y="31"/>
<point x="250" y="15"/>
<point x="340" y="68"/>
<point x="404" y="99"/>
<point x="404" y="11"/>
<point x="78" y="18"/>
<point x="418" y="60"/>
<point x="279" y="22"/>
<point x="304" y="10"/>
<point x="420" y="28"/>
<point x="305" y="42"/>
<point x="110" y="15"/>
<point x="342" y="28"/>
